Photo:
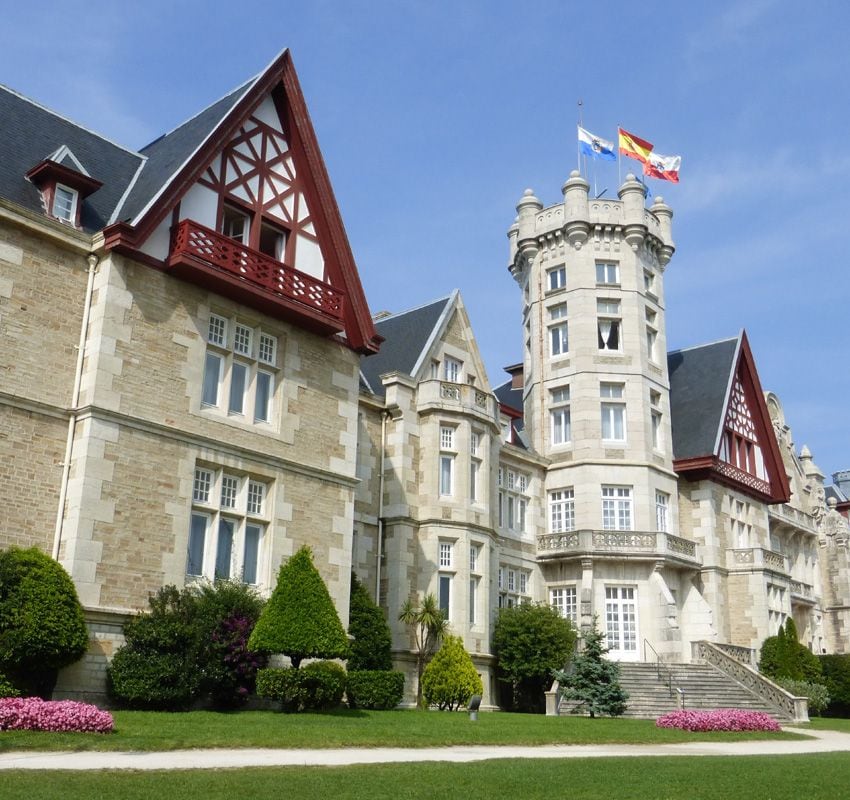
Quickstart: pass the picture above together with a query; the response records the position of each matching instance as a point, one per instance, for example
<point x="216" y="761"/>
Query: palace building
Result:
<point x="192" y="386"/>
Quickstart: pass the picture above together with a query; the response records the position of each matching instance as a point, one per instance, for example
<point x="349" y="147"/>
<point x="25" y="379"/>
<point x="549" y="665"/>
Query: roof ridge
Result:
<point x="417" y="308"/>
<point x="70" y="121"/>
<point x="198" y="114"/>
<point x="706" y="344"/>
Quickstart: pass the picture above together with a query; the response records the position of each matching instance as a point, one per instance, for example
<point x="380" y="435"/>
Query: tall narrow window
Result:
<point x="608" y="324"/>
<point x="564" y="600"/>
<point x="235" y="224"/>
<point x="662" y="506"/>
<point x="557" y="278"/>
<point x="559" y="415"/>
<point x="452" y="369"/>
<point x="562" y="513"/>
<point x="613" y="409"/>
<point x="558" y="330"/>
<point x="65" y="203"/>
<point x="651" y="335"/>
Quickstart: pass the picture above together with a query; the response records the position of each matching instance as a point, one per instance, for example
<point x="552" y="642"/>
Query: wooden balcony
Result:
<point x="222" y="265"/>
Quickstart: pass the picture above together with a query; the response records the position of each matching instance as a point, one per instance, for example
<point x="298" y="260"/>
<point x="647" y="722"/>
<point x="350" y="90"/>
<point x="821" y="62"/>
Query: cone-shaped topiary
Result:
<point x="300" y="620"/>
<point x="372" y="639"/>
<point x="450" y="679"/>
<point x="41" y="621"/>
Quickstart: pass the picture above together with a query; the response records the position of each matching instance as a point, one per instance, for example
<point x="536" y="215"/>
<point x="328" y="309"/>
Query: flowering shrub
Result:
<point x="35" y="714"/>
<point x="721" y="719"/>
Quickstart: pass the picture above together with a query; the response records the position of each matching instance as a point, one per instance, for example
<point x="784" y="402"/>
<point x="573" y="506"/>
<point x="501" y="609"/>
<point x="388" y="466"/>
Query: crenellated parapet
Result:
<point x="580" y="221"/>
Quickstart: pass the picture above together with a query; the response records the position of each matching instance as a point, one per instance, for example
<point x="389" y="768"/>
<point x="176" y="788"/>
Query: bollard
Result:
<point x="473" y="706"/>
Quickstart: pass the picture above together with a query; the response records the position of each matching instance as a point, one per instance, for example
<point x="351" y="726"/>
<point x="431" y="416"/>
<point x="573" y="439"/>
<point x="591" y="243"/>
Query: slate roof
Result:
<point x="507" y="396"/>
<point x="699" y="383"/>
<point x="406" y="336"/>
<point x="29" y="133"/>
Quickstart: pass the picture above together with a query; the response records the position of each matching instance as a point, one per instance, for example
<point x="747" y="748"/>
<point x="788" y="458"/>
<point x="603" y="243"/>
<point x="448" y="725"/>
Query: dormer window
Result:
<point x="65" y="204"/>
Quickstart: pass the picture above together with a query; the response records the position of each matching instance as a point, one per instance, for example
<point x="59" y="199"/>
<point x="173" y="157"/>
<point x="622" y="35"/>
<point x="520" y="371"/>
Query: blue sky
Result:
<point x="433" y="118"/>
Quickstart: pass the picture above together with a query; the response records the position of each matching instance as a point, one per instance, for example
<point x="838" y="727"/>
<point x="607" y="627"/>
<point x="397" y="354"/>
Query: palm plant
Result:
<point x="428" y="624"/>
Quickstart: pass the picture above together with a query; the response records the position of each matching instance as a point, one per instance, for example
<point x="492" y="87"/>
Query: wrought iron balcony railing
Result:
<point x="215" y="261"/>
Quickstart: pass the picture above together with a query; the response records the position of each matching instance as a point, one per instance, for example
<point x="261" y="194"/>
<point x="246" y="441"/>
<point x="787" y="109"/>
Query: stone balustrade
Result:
<point x="747" y="558"/>
<point x="461" y="397"/>
<point x="793" y="517"/>
<point x="649" y="544"/>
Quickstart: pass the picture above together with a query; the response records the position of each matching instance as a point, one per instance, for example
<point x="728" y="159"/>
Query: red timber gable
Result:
<point x="746" y="455"/>
<point x="251" y="215"/>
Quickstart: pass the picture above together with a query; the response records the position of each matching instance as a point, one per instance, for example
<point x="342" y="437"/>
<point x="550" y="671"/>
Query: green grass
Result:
<point x="829" y="724"/>
<point x="139" y="730"/>
<point x="820" y="776"/>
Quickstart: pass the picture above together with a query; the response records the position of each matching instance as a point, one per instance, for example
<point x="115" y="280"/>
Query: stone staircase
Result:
<point x="704" y="687"/>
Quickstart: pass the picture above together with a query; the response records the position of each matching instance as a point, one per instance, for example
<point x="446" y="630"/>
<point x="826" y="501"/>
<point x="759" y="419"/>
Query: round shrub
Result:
<point x="450" y="679"/>
<point x="41" y="621"/>
<point x="58" y="716"/>
<point x="816" y="693"/>
<point x="152" y="681"/>
<point x="375" y="689"/>
<point x="371" y="649"/>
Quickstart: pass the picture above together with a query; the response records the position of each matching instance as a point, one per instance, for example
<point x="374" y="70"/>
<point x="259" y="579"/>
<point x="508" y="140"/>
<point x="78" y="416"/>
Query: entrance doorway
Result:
<point x="621" y="623"/>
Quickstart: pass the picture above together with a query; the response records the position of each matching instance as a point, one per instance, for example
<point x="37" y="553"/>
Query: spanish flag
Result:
<point x="633" y="146"/>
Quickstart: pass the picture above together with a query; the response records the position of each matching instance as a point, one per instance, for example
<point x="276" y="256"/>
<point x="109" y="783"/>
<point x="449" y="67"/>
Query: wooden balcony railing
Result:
<point x="215" y="261"/>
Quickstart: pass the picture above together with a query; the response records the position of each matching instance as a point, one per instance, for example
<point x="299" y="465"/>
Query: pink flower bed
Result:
<point x="35" y="714"/>
<point x="721" y="719"/>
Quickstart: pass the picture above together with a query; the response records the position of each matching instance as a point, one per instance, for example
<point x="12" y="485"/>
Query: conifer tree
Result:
<point x="450" y="679"/>
<point x="371" y="649"/>
<point x="593" y="683"/>
<point x="300" y="620"/>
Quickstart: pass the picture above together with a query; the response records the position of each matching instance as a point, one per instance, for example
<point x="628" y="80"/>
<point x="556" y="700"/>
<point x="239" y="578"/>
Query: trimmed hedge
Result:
<point x="379" y="690"/>
<point x="42" y="628"/>
<point x="152" y="681"/>
<point x="320" y="685"/>
<point x="300" y="620"/>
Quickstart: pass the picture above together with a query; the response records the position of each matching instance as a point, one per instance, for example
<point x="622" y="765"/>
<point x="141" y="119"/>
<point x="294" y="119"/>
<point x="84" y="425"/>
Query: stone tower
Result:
<point x="596" y="405"/>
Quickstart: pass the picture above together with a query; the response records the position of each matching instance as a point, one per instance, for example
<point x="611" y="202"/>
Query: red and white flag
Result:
<point x="665" y="168"/>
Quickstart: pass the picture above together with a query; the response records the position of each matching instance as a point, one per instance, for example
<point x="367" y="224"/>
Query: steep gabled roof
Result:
<point x="713" y="387"/>
<point x="699" y="385"/>
<point x="30" y="134"/>
<point x="408" y="337"/>
<point x="509" y="396"/>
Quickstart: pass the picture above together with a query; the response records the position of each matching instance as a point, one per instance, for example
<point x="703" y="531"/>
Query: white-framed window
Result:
<point x="651" y="335"/>
<point x="607" y="272"/>
<point x="608" y="325"/>
<point x="617" y="508"/>
<point x="613" y="411"/>
<point x="473" y="599"/>
<point x="562" y="510"/>
<point x="559" y="342"/>
<point x="447" y="464"/>
<point x="447" y="437"/>
<point x="65" y="202"/>
<point x="239" y="370"/>
<point x="235" y="224"/>
<point x="559" y="415"/>
<point x="514" y="585"/>
<point x="557" y="278"/>
<point x="742" y="529"/>
<point x="446" y="553"/>
<point x="662" y="511"/>
<point x="475" y="470"/>
<point x="474" y="557"/>
<point x="227" y="525"/>
<point x="655" y="420"/>
<point x="649" y="282"/>
<point x="513" y="499"/>
<point x="452" y="369"/>
<point x="565" y="600"/>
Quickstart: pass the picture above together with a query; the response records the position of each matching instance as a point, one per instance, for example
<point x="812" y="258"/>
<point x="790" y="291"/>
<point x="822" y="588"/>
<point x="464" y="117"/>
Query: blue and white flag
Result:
<point x="595" y="147"/>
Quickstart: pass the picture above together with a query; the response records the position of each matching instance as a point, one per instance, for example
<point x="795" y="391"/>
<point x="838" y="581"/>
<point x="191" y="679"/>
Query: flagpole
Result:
<point x="578" y="144"/>
<point x="619" y="169"/>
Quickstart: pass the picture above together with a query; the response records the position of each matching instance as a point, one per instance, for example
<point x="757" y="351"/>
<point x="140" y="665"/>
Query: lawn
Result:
<point x="829" y="724"/>
<point x="814" y="777"/>
<point x="139" y="730"/>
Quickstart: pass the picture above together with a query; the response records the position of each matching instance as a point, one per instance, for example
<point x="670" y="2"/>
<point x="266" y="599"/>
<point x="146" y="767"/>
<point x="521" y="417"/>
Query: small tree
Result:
<point x="371" y="649"/>
<point x="531" y="642"/>
<point x="42" y="628"/>
<point x="784" y="657"/>
<point x="428" y="624"/>
<point x="594" y="682"/>
<point x="300" y="619"/>
<point x="450" y="678"/>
